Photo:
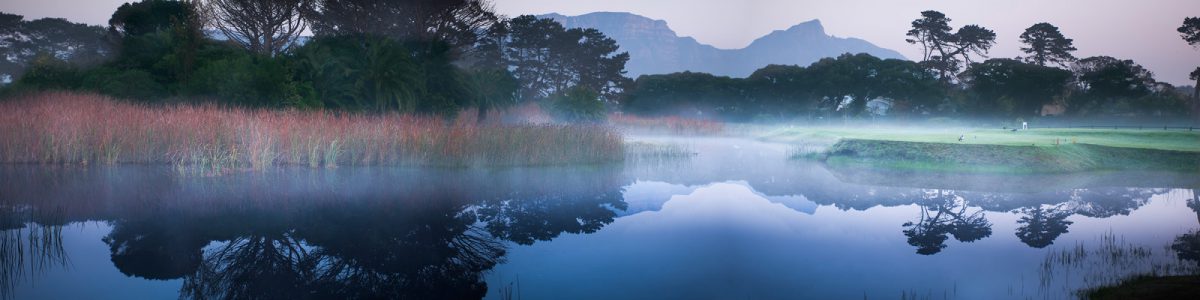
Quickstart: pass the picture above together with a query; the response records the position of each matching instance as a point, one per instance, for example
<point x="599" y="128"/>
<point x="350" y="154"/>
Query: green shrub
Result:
<point x="128" y="83"/>
<point x="49" y="73"/>
<point x="251" y="81"/>
<point x="578" y="104"/>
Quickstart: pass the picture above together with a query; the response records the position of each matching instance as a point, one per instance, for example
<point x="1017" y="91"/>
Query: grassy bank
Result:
<point x="995" y="150"/>
<point x="71" y="128"/>
<point x="1149" y="287"/>
<point x="1006" y="159"/>
<point x="1180" y="140"/>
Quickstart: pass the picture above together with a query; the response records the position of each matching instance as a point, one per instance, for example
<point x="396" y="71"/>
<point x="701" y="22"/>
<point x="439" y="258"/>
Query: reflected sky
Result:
<point x="725" y="240"/>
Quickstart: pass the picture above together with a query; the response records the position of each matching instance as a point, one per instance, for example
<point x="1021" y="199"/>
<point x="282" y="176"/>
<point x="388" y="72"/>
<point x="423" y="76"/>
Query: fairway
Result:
<point x="1179" y="140"/>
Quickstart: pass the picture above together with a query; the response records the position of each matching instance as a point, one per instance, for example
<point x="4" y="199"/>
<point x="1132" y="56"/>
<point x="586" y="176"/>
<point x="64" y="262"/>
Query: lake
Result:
<point x="737" y="220"/>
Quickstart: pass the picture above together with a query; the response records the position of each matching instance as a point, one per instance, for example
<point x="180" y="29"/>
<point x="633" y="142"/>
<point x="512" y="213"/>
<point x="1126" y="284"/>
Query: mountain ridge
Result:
<point x="655" y="48"/>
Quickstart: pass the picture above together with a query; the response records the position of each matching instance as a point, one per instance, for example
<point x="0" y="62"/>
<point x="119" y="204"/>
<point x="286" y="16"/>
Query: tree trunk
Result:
<point x="481" y="114"/>
<point x="1196" y="97"/>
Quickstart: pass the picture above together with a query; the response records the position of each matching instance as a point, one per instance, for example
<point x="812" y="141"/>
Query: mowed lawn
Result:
<point x="1180" y="140"/>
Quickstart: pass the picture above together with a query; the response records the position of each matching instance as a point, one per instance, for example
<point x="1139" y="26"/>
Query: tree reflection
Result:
<point x="1107" y="202"/>
<point x="544" y="217"/>
<point x="944" y="213"/>
<point x="431" y="243"/>
<point x="1040" y="226"/>
<point x="256" y="267"/>
<point x="154" y="249"/>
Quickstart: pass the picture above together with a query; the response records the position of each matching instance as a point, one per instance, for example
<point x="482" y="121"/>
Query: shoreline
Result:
<point x="1001" y="159"/>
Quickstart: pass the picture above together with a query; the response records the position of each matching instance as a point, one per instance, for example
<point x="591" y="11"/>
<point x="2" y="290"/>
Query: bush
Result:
<point x="360" y="73"/>
<point x="578" y="104"/>
<point x="251" y="80"/>
<point x="129" y="83"/>
<point x="49" y="73"/>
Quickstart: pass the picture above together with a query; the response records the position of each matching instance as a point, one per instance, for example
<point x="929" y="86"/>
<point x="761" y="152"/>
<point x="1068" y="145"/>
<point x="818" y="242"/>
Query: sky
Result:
<point x="1143" y="31"/>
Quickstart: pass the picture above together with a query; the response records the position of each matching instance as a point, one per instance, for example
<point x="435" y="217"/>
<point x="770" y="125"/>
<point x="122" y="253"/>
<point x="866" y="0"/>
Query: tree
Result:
<point x="492" y="89"/>
<point x="1012" y="88"/>
<point x="22" y="41"/>
<point x="944" y="51"/>
<point x="267" y="27"/>
<point x="381" y="74"/>
<point x="174" y="27"/>
<point x="548" y="58"/>
<point x="1106" y="84"/>
<point x="1190" y="32"/>
<point x="149" y="16"/>
<point x="699" y="93"/>
<point x="456" y="22"/>
<point x="862" y="78"/>
<point x="358" y="73"/>
<point x="1045" y="44"/>
<point x="578" y="104"/>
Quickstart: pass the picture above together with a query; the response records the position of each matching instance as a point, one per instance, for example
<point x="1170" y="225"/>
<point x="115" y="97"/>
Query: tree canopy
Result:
<point x="548" y="58"/>
<point x="21" y="42"/>
<point x="946" y="51"/>
<point x="268" y="27"/>
<point x="1044" y="44"/>
<point x="1010" y="87"/>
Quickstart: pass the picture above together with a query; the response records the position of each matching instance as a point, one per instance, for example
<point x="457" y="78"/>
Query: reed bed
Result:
<point x="75" y="128"/>
<point x="667" y="125"/>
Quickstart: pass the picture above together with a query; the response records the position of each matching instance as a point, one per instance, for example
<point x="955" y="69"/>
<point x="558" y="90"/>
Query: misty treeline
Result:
<point x="955" y="77"/>
<point x="440" y="56"/>
<point x="413" y="56"/>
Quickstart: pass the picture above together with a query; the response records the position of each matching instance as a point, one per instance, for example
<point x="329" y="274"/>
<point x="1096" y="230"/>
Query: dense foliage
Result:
<point x="440" y="57"/>
<point x="831" y="86"/>
<point x="946" y="82"/>
<point x="423" y="56"/>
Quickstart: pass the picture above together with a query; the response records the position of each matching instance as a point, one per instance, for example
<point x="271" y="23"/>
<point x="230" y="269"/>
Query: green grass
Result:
<point x="1006" y="158"/>
<point x="994" y="150"/>
<point x="1179" y="140"/>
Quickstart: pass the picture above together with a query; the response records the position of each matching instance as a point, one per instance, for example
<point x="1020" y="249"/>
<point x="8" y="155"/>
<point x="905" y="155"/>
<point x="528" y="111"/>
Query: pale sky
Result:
<point x="1140" y="30"/>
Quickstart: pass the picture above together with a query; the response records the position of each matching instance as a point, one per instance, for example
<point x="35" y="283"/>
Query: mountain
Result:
<point x="656" y="49"/>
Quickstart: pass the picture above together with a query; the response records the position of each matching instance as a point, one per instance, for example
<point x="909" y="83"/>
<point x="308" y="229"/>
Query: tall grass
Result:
<point x="1109" y="260"/>
<point x="667" y="125"/>
<point x="73" y="128"/>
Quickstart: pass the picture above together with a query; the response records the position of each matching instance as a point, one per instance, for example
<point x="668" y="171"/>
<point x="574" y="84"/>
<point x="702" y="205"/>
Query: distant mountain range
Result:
<point x="655" y="49"/>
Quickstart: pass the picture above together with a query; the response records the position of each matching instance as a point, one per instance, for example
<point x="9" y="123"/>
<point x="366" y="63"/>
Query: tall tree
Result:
<point x="22" y="41"/>
<point x="267" y="27"/>
<point x="492" y="89"/>
<point x="1046" y="44"/>
<point x="1009" y="87"/>
<point x="548" y="58"/>
<point x="945" y="52"/>
<point x="145" y="27"/>
<point x="1190" y="32"/>
<point x="149" y="16"/>
<point x="861" y="78"/>
<point x="1105" y="81"/>
<point x="457" y="22"/>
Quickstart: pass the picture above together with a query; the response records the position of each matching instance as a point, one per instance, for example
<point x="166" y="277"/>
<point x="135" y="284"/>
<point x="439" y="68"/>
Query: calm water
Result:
<point x="736" y="221"/>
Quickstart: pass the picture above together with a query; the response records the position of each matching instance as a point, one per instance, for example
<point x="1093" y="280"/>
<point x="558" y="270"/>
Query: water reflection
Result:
<point x="1041" y="225"/>
<point x="407" y="233"/>
<point x="414" y="234"/>
<point x="944" y="212"/>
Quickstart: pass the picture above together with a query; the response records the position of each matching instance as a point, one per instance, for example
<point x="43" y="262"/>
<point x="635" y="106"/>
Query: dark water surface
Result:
<point x="736" y="221"/>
